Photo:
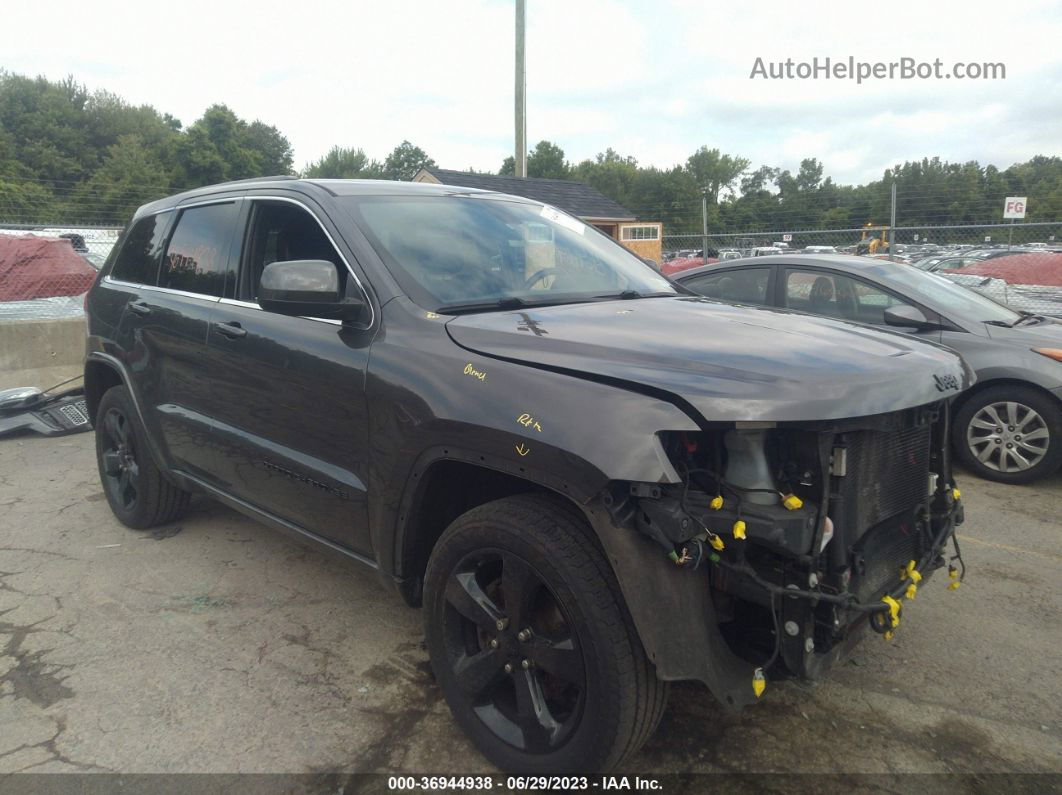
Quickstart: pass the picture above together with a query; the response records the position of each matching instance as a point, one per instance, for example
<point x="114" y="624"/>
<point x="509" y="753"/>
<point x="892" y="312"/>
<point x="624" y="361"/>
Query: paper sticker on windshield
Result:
<point x="563" y="220"/>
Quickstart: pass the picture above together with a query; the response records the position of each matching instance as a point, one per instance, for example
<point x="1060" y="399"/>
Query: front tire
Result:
<point x="138" y="493"/>
<point x="1010" y="434"/>
<point x="532" y="644"/>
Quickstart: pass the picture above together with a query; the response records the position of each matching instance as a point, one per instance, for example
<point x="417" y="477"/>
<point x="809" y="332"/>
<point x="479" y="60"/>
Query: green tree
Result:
<point x="132" y="174"/>
<point x="714" y="171"/>
<point x="274" y="150"/>
<point x="405" y="161"/>
<point x="343" y="163"/>
<point x="545" y="161"/>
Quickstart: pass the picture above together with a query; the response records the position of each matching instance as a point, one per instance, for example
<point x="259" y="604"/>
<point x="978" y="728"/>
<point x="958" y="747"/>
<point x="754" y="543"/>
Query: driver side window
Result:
<point x="280" y="232"/>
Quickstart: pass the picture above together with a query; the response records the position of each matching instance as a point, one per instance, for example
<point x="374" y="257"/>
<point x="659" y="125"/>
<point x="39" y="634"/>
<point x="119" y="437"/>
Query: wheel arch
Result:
<point x="989" y="383"/>
<point x="446" y="482"/>
<point x="102" y="372"/>
<point x="100" y="376"/>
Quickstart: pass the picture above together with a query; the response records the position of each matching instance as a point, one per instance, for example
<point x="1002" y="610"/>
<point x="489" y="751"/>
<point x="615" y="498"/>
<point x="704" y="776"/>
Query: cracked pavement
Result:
<point x="216" y="645"/>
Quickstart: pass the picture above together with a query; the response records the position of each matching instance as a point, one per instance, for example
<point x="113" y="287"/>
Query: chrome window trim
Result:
<point x="257" y="308"/>
<point x="213" y="299"/>
<point x="339" y="251"/>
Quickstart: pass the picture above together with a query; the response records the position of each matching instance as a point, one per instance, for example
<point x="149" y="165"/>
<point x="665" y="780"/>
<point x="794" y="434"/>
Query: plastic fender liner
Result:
<point x="673" y="611"/>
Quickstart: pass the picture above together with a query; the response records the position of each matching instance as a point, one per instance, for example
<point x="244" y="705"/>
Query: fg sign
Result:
<point x="1014" y="207"/>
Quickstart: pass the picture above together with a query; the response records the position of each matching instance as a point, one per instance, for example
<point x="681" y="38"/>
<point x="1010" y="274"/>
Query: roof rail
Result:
<point x="258" y="179"/>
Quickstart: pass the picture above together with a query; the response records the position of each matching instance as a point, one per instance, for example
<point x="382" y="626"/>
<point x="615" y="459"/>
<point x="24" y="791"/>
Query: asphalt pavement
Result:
<point x="216" y="645"/>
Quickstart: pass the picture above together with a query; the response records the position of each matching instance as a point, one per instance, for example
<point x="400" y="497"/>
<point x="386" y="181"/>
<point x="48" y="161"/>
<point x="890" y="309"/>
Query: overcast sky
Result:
<point x="653" y="79"/>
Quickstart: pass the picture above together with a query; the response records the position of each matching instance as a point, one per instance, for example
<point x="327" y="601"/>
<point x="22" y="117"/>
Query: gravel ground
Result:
<point x="216" y="645"/>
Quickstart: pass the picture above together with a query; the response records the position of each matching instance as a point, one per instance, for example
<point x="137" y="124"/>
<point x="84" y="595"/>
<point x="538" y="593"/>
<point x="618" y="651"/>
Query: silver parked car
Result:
<point x="1008" y="426"/>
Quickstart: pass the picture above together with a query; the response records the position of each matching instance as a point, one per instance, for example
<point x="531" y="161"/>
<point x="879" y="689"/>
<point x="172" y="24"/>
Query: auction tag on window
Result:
<point x="563" y="220"/>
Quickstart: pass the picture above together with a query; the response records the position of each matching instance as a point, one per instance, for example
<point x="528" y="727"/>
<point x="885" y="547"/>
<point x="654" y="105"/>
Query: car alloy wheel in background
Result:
<point x="1009" y="433"/>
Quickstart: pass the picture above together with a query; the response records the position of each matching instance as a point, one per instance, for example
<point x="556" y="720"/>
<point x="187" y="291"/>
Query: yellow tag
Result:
<point x="716" y="542"/>
<point x="956" y="493"/>
<point x="759" y="683"/>
<point x="739" y="529"/>
<point x="912" y="589"/>
<point x="954" y="585"/>
<point x="716" y="503"/>
<point x="792" y="502"/>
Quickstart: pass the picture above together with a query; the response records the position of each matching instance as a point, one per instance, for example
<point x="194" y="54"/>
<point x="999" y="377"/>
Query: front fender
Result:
<point x="429" y="399"/>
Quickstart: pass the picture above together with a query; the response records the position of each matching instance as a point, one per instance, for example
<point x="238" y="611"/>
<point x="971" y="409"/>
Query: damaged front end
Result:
<point x="808" y="534"/>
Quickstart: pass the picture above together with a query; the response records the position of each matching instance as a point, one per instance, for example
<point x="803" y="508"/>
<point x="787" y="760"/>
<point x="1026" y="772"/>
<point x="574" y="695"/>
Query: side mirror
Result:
<point x="906" y="316"/>
<point x="652" y="263"/>
<point x="308" y="287"/>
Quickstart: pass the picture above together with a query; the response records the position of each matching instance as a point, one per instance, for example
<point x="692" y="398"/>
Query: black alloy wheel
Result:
<point x="139" y="494"/>
<point x="513" y="652"/>
<point x="531" y="642"/>
<point x="121" y="472"/>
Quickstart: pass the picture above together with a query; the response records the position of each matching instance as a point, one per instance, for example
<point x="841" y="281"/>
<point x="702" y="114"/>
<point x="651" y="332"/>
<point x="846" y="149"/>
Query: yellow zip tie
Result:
<point x="911" y="573"/>
<point x="739" y="529"/>
<point x="792" y="502"/>
<point x="716" y="542"/>
<point x="716" y="503"/>
<point x="894" y="611"/>
<point x="955" y="493"/>
<point x="912" y="589"/>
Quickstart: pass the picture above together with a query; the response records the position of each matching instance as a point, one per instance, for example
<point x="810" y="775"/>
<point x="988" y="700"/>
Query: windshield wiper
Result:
<point x="508" y="302"/>
<point x="1029" y="317"/>
<point x="1026" y="317"/>
<point x="627" y="295"/>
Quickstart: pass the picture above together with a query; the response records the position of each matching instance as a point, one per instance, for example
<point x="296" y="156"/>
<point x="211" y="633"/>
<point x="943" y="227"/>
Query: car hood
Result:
<point x="729" y="363"/>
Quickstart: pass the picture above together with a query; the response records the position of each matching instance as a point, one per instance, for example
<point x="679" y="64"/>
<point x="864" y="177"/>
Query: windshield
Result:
<point x="953" y="299"/>
<point x="473" y="250"/>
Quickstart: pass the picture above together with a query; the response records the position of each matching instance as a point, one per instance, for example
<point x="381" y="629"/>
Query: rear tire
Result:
<point x="1021" y="417"/>
<point x="138" y="493"/>
<point x="587" y="697"/>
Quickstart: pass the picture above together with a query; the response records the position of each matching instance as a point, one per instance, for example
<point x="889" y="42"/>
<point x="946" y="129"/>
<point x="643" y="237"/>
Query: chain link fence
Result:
<point x="45" y="271"/>
<point x="1017" y="264"/>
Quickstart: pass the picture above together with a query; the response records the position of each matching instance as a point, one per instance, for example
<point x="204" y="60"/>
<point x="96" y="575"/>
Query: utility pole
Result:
<point x="520" y="160"/>
<point x="704" y="225"/>
<point x="892" y="225"/>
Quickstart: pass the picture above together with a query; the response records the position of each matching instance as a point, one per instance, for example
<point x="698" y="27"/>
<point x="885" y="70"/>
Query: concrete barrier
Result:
<point x="41" y="353"/>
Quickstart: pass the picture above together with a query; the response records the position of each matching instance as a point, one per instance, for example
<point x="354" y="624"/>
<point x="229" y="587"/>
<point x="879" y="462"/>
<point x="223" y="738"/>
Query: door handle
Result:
<point x="140" y="308"/>
<point x="232" y="330"/>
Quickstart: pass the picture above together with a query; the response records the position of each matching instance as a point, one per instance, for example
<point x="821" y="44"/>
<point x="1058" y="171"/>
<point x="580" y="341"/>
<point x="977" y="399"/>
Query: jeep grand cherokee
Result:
<point x="594" y="482"/>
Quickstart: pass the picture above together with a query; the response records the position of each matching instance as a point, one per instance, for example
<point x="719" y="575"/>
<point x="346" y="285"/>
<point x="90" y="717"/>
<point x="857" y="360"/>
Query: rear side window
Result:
<point x="742" y="286"/>
<point x="138" y="259"/>
<point x="197" y="258"/>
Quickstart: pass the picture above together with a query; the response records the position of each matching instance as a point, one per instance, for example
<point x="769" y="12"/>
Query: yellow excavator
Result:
<point x="874" y="240"/>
